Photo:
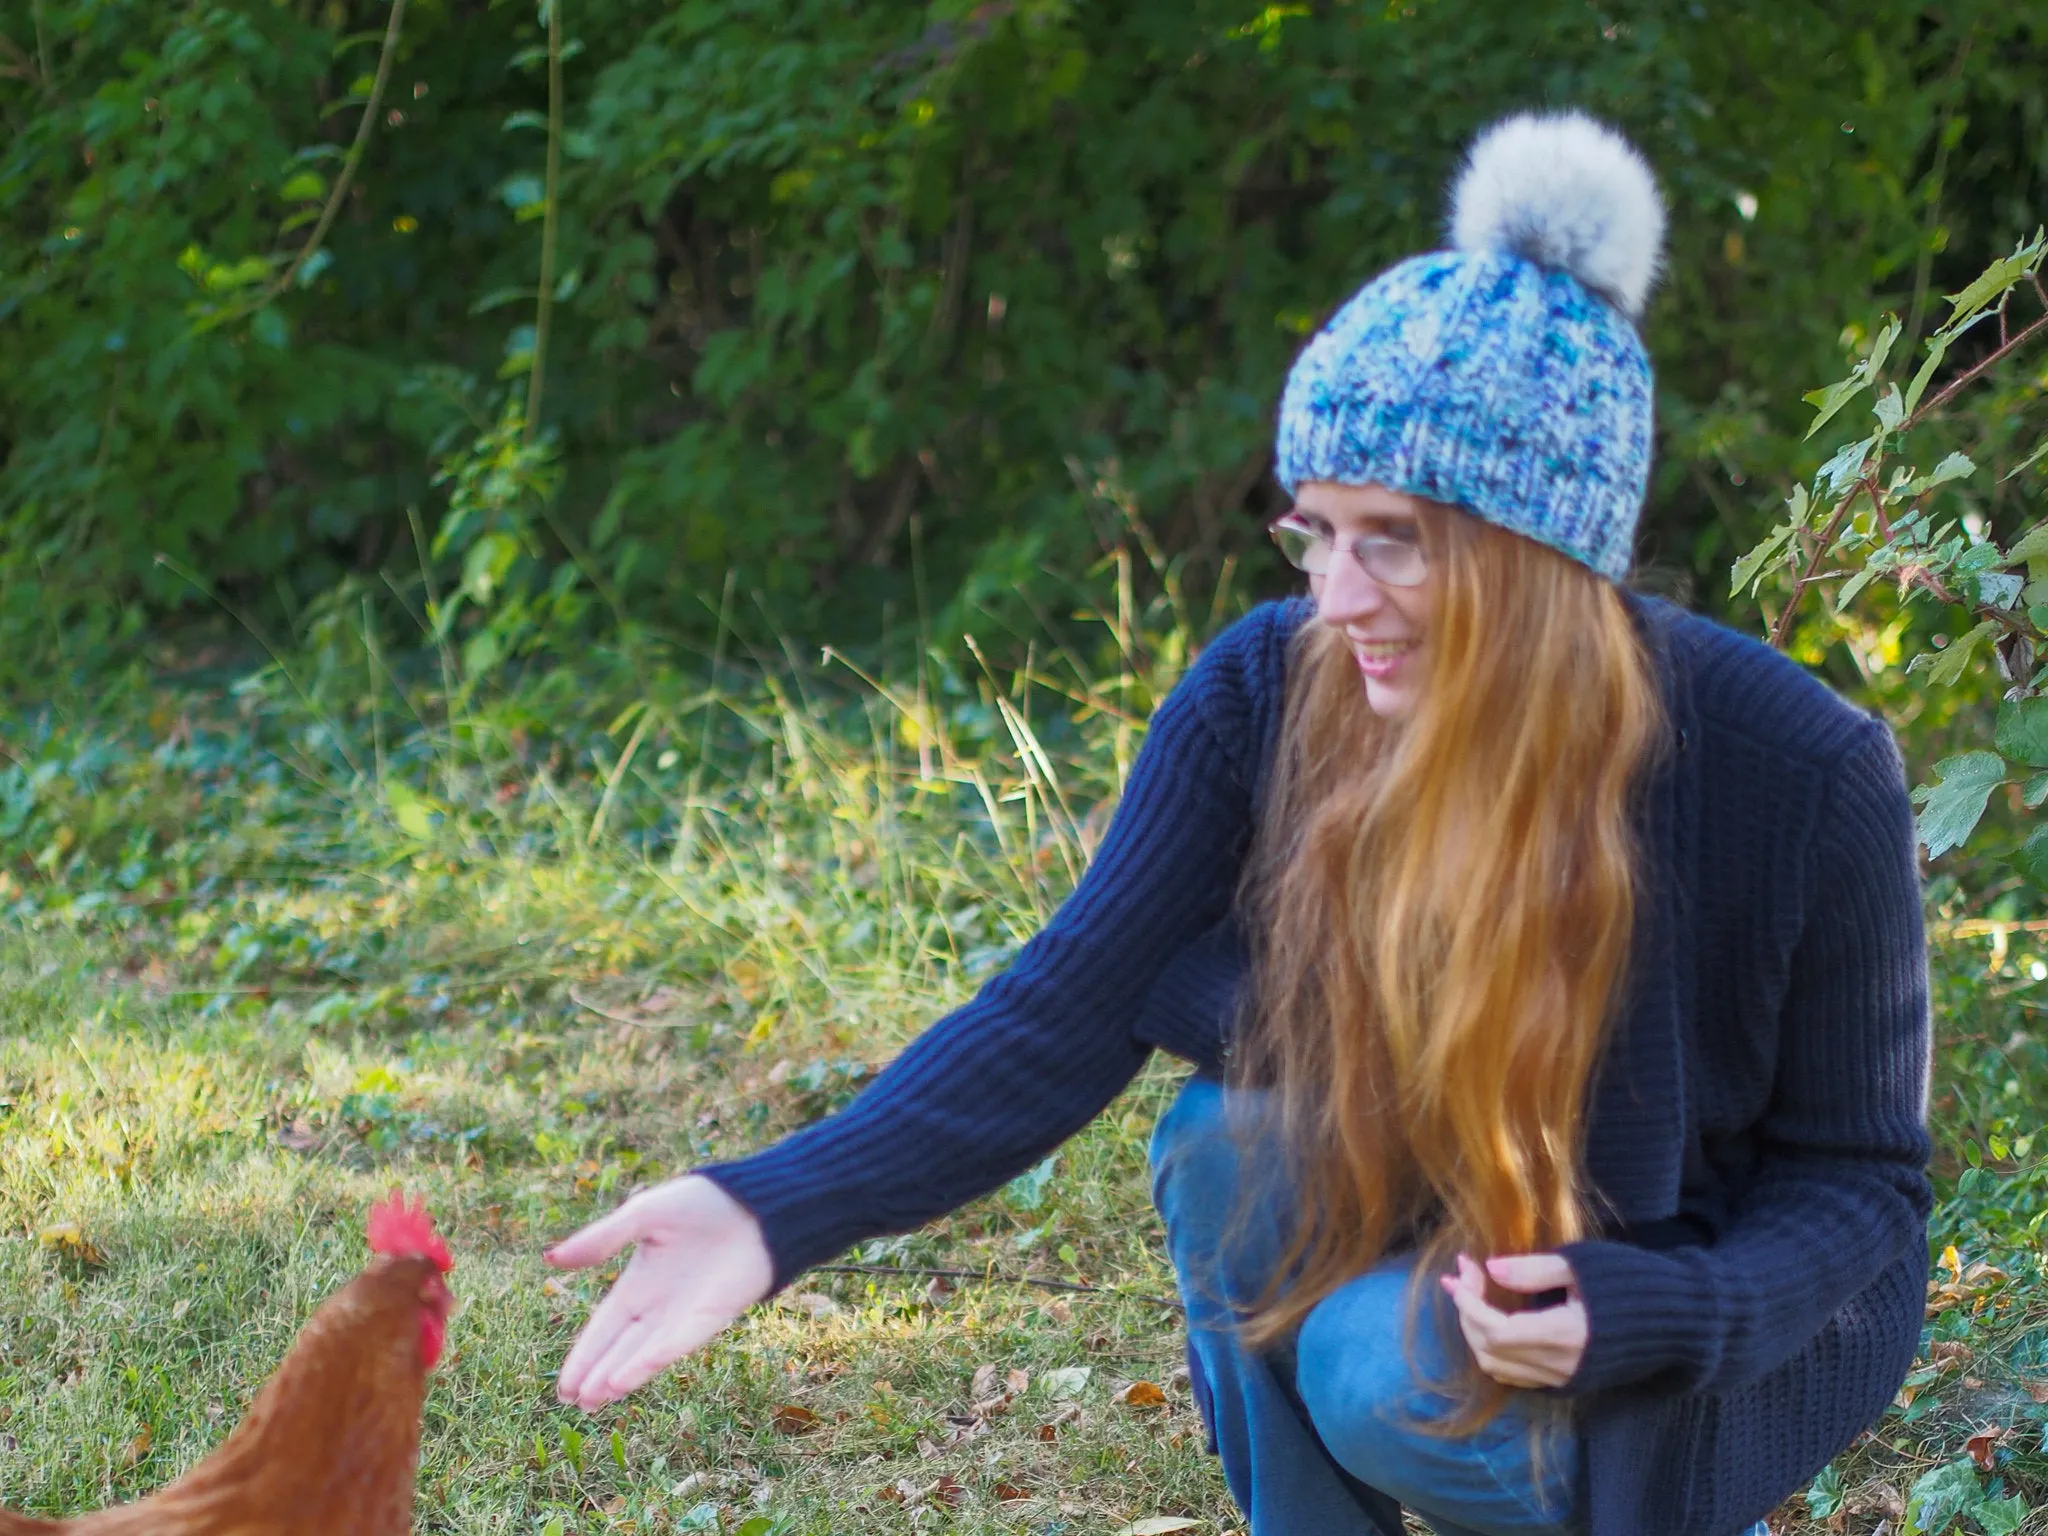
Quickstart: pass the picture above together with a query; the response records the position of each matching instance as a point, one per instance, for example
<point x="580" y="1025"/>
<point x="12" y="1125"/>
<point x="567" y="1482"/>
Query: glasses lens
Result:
<point x="1301" y="548"/>
<point x="1392" y="562"/>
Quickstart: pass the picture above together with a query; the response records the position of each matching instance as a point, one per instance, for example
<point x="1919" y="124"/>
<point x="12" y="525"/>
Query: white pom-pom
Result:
<point x="1564" y="191"/>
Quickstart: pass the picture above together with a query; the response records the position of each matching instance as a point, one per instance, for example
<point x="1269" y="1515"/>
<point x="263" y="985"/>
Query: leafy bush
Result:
<point x="839" y="294"/>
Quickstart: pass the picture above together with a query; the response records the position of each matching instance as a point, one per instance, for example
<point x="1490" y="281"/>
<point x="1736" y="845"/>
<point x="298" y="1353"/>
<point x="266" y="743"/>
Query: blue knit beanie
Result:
<point x="1503" y="375"/>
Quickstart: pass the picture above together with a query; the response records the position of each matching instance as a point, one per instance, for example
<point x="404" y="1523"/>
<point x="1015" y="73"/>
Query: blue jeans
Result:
<point x="1326" y="1434"/>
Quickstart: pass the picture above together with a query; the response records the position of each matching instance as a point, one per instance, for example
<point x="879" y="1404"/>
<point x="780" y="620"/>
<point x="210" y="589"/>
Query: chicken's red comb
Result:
<point x="402" y="1231"/>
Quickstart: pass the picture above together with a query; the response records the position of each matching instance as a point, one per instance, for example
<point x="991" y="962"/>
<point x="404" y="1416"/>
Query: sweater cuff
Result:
<point x="798" y="1234"/>
<point x="1646" y="1312"/>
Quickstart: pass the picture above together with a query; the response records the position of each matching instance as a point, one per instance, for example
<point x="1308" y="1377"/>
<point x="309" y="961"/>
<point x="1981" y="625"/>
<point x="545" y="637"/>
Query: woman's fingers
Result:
<point x="601" y="1383"/>
<point x="1530" y="1273"/>
<point x="1519" y="1349"/>
<point x="610" y="1318"/>
<point x="601" y="1239"/>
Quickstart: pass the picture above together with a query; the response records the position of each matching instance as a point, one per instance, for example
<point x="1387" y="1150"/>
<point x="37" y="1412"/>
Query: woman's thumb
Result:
<point x="601" y="1239"/>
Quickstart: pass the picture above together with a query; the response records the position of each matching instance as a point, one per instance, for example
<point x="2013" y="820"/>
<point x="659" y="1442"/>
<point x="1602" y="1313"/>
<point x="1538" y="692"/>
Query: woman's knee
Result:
<point x="1361" y="1376"/>
<point x="1222" y="1237"/>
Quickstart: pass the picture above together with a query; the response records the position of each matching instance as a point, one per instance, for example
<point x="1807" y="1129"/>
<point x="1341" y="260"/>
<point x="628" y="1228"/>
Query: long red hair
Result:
<point x="1443" y="910"/>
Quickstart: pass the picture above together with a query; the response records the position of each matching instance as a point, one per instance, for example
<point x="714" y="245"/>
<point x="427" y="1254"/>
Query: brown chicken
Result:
<point x="331" y="1444"/>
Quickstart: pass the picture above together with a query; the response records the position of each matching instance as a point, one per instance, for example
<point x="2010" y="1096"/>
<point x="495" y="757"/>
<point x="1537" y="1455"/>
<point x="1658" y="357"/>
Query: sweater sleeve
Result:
<point x="1841" y="1189"/>
<point x="1044" y="1046"/>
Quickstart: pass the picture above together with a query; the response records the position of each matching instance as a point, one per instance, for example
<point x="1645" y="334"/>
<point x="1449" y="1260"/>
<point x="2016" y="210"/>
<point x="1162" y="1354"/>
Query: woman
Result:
<point x="1550" y="959"/>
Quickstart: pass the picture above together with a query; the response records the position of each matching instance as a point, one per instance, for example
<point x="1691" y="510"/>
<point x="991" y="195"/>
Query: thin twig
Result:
<point x="544" y="300"/>
<point x="1990" y="359"/>
<point x="349" y="163"/>
<point x="995" y="1277"/>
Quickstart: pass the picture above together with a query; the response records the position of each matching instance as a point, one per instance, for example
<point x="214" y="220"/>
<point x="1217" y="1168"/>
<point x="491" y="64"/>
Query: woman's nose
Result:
<point x="1346" y="594"/>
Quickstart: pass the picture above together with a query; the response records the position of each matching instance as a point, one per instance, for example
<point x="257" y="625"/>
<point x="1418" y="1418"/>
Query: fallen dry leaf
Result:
<point x="67" y="1239"/>
<point x="1949" y="1352"/>
<point x="1981" y="1445"/>
<point x="2037" y="1390"/>
<point x="949" y="1492"/>
<point x="1011" y="1493"/>
<point x="984" y="1381"/>
<point x="1876" y="1497"/>
<point x="1161" y="1525"/>
<point x="813" y="1304"/>
<point x="1018" y="1381"/>
<point x="1141" y="1394"/>
<point x="795" y="1419"/>
<point x="137" y="1448"/>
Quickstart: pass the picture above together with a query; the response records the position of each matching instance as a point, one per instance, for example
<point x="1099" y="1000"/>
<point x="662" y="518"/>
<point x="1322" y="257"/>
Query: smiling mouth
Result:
<point x="1379" y="660"/>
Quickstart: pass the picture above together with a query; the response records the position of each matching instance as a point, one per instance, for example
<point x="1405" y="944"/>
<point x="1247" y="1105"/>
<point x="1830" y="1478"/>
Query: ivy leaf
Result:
<point x="1951" y="808"/>
<point x="1940" y="1496"/>
<point x="2023" y="731"/>
<point x="2002" y="1517"/>
<point x="1825" y="1496"/>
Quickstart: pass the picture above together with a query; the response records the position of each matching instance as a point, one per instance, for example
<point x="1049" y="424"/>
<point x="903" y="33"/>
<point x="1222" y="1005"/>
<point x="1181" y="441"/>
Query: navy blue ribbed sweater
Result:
<point x="1757" y="1131"/>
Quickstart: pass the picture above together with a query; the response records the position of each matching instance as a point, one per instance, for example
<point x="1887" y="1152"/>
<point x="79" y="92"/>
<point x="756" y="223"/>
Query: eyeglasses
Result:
<point x="1391" y="562"/>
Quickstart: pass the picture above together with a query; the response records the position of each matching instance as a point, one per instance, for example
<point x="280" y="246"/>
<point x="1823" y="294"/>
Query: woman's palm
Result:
<point x="700" y="1262"/>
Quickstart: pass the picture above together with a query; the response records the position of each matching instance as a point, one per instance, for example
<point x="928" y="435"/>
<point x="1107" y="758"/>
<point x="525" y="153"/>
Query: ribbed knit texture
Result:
<point x="1758" y="1126"/>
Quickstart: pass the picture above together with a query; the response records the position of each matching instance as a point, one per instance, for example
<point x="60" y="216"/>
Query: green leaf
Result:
<point x="1999" y="589"/>
<point x="1956" y="466"/>
<point x="1993" y="281"/>
<point x="1937" y="349"/>
<point x="1951" y="808"/>
<point x="1824" y="1497"/>
<point x="1940" y="1496"/>
<point x="2032" y="859"/>
<point x="306" y="186"/>
<point x="2022" y="732"/>
<point x="1027" y="1191"/>
<point x="756" y="1525"/>
<point x="619" y="1450"/>
<point x="413" y="812"/>
<point x="2002" y="1517"/>
<point x="2027" y="463"/>
<point x="1890" y="410"/>
<point x="1746" y="572"/>
<point x="1840" y="472"/>
<point x="1945" y="667"/>
<point x="1855" y="585"/>
<point x="1831" y="399"/>
<point x="2035" y="792"/>
<point x="522" y="192"/>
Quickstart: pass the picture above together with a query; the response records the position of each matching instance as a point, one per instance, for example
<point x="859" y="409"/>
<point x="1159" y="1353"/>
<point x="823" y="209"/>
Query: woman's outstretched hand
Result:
<point x="700" y="1263"/>
<point x="1540" y="1348"/>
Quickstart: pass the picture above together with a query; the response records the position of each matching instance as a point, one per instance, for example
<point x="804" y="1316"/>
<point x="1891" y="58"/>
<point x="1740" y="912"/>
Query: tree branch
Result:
<point x="544" y="302"/>
<point x="314" y="241"/>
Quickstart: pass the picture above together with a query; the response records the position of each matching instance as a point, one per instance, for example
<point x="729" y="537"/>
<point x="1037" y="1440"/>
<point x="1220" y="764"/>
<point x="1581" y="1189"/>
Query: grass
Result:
<point x="275" y="946"/>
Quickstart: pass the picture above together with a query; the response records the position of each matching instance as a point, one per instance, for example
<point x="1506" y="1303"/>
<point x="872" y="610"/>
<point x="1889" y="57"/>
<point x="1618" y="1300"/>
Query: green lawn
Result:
<point x="245" y="988"/>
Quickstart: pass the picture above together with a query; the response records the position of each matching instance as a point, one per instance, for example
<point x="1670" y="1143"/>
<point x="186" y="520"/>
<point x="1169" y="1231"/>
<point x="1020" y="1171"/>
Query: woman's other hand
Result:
<point x="1539" y="1348"/>
<point x="700" y="1263"/>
